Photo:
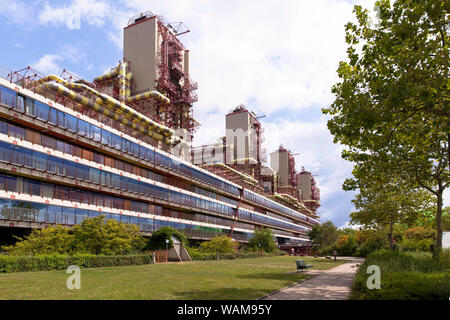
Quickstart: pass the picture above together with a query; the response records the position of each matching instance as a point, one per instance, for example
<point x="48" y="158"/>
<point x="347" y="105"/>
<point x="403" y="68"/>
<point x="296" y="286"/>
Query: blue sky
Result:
<point x="276" y="57"/>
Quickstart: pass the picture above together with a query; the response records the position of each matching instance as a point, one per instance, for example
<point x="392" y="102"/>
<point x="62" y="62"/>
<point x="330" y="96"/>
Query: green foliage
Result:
<point x="324" y="235"/>
<point x="391" y="106"/>
<point x="219" y="244"/>
<point x="61" y="262"/>
<point x="55" y="239"/>
<point x="262" y="239"/>
<point x="416" y="245"/>
<point x="196" y="254"/>
<point x="346" y="245"/>
<point x="158" y="239"/>
<point x="94" y="235"/>
<point x="405" y="276"/>
<point x="106" y="236"/>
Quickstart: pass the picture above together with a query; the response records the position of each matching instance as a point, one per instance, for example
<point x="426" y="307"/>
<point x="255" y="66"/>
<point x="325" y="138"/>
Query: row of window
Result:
<point x="33" y="187"/>
<point x="47" y="163"/>
<point x="36" y="137"/>
<point x="275" y="206"/>
<point x="249" y="216"/>
<point x="45" y="213"/>
<point x="48" y="190"/>
<point x="204" y="218"/>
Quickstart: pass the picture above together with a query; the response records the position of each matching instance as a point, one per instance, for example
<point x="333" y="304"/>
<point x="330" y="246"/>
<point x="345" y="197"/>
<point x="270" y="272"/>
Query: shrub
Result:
<point x="158" y="239"/>
<point x="416" y="245"/>
<point x="61" y="261"/>
<point x="198" y="255"/>
<point x="43" y="241"/>
<point x="218" y="244"/>
<point x="405" y="275"/>
<point x="419" y="233"/>
<point x="94" y="235"/>
<point x="346" y="245"/>
<point x="263" y="239"/>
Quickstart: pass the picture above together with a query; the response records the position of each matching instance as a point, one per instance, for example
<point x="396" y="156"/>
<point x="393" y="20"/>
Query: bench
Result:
<point x="301" y="265"/>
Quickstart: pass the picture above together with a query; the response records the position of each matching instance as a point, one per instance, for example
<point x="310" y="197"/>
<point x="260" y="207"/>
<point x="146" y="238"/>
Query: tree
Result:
<point x="55" y="239"/>
<point x="219" y="244"/>
<point x="158" y="239"/>
<point x="385" y="200"/>
<point x="391" y="105"/>
<point x="324" y="235"/>
<point x="94" y="235"/>
<point x="99" y="235"/>
<point x="262" y="239"/>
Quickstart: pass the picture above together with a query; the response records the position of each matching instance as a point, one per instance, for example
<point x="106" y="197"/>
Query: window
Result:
<point x="83" y="128"/>
<point x="20" y="105"/>
<point x="7" y="97"/>
<point x="71" y="123"/>
<point x="42" y="111"/>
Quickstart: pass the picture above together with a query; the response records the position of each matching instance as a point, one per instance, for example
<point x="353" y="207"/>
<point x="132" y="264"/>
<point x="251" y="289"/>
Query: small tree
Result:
<point x="43" y="241"/>
<point x="262" y="239"/>
<point x="94" y="235"/>
<point x="222" y="244"/>
<point x="158" y="239"/>
<point x="324" y="235"/>
<point x="106" y="236"/>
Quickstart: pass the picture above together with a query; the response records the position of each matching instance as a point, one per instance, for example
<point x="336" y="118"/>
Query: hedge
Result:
<point x="61" y="261"/>
<point x="229" y="256"/>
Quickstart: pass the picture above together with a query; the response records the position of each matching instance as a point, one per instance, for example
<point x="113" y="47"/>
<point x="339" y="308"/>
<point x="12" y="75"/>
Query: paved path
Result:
<point x="332" y="284"/>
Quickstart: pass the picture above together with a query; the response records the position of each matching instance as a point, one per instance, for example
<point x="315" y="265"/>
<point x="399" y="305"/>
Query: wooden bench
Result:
<point x="301" y="265"/>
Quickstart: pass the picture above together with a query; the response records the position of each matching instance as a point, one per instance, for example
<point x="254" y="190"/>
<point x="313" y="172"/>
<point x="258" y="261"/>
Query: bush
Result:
<point x="262" y="239"/>
<point x="198" y="255"/>
<point x="219" y="244"/>
<point x="94" y="235"/>
<point x="416" y="245"/>
<point x="405" y="275"/>
<point x="158" y="239"/>
<point x="346" y="245"/>
<point x="61" y="261"/>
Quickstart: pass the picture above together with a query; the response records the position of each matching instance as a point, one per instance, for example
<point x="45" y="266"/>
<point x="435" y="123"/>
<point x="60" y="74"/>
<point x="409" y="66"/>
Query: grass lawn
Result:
<point x="217" y="280"/>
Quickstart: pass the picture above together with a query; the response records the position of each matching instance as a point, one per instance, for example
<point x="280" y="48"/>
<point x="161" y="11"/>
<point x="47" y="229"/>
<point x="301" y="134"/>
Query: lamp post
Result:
<point x="167" y="247"/>
<point x="260" y="252"/>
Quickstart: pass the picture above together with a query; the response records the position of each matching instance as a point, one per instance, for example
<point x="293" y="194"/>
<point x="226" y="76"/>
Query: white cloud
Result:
<point x="48" y="64"/>
<point x="93" y="13"/>
<point x="17" y="12"/>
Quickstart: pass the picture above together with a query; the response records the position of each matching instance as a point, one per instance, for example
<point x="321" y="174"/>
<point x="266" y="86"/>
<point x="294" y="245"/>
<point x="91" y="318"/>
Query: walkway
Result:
<point x="332" y="284"/>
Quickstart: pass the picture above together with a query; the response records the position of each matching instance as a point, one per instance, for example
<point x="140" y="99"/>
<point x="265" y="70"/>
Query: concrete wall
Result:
<point x="237" y="134"/>
<point x="279" y="163"/>
<point x="140" y="48"/>
<point x="305" y="186"/>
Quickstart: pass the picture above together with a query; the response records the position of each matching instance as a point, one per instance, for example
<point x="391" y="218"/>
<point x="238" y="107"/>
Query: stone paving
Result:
<point x="332" y="284"/>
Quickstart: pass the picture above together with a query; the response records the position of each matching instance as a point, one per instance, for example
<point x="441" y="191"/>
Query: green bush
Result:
<point x="198" y="255"/>
<point x="405" y="275"/>
<point x="218" y="244"/>
<point x="416" y="245"/>
<point x="262" y="239"/>
<point x="96" y="235"/>
<point x="405" y="286"/>
<point x="61" y="262"/>
<point x="158" y="239"/>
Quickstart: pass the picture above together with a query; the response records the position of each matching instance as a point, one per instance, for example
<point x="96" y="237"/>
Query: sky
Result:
<point x="278" y="58"/>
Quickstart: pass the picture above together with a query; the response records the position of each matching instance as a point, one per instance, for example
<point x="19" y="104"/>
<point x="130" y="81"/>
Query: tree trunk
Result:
<point x="438" y="247"/>
<point x="391" y="232"/>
